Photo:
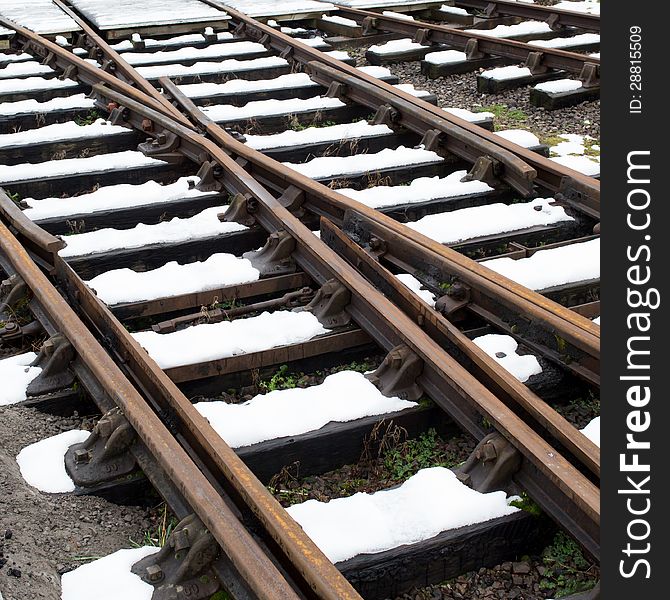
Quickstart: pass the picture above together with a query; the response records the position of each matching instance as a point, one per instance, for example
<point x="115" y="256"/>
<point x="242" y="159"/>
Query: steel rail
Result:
<point x="393" y="326"/>
<point x="555" y="17"/>
<point x="581" y="191"/>
<point x="552" y="58"/>
<point x="444" y="378"/>
<point x="580" y="331"/>
<point x="577" y="329"/>
<point x="250" y="561"/>
<point x="573" y="440"/>
<point x="119" y="64"/>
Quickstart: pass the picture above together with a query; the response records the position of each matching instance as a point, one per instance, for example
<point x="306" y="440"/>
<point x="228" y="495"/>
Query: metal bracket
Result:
<point x="422" y="36"/>
<point x="535" y="62"/>
<point x="431" y="139"/>
<point x="292" y="200"/>
<point x="209" y="173"/>
<point x="486" y="169"/>
<point x="338" y="90"/>
<point x="12" y="290"/>
<point x="70" y="72"/>
<point x="104" y="455"/>
<point x="275" y="258"/>
<point x="386" y="115"/>
<point x="554" y="22"/>
<point x="163" y="147"/>
<point x="240" y="30"/>
<point x="50" y="60"/>
<point x="329" y="305"/>
<point x="119" y="115"/>
<point x="590" y="75"/>
<point x="491" y="465"/>
<point x="183" y="567"/>
<point x="397" y="374"/>
<point x="369" y="26"/>
<point x="456" y="298"/>
<point x="286" y="53"/>
<point x="491" y="10"/>
<point x="472" y="51"/>
<point x="54" y="358"/>
<point x="240" y="210"/>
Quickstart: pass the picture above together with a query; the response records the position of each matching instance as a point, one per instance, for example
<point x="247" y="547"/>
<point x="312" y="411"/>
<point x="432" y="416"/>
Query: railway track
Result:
<point x="161" y="198"/>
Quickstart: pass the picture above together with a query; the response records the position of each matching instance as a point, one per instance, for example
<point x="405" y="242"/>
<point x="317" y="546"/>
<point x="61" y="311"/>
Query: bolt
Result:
<point x="82" y="456"/>
<point x="154" y="573"/>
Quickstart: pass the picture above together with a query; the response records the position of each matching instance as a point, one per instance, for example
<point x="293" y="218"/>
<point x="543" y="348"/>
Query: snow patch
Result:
<point x="490" y="219"/>
<point x="592" y="431"/>
<point x="549" y="268"/>
<point x="415" y="285"/>
<point x="42" y="464"/>
<point x="60" y="132"/>
<point x="506" y="73"/>
<point x="393" y="46"/>
<point x="419" y="190"/>
<point x="509" y="31"/>
<point x="173" y="279"/>
<point x="112" y="197"/>
<point x="16" y="374"/>
<point x="342" y="397"/>
<point x="315" y="135"/>
<point x="332" y="166"/>
<point x="109" y="578"/>
<point x="265" y="108"/>
<point x="230" y="65"/>
<point x="468" y="115"/>
<point x="445" y="57"/>
<point x="523" y="138"/>
<point x="582" y="39"/>
<point x="127" y="159"/>
<point x="430" y="502"/>
<point x="213" y="341"/>
<point x="78" y="101"/>
<point x="190" y="53"/>
<point x="559" y="86"/>
<point x="34" y="84"/>
<point x="503" y="349"/>
<point x="583" y="164"/>
<point x="339" y="20"/>
<point x="177" y="230"/>
<point x="237" y="86"/>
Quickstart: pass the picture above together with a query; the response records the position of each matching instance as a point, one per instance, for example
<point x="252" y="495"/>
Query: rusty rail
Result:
<point x="577" y="189"/>
<point x="555" y="17"/>
<point x="546" y="471"/>
<point x="252" y="564"/>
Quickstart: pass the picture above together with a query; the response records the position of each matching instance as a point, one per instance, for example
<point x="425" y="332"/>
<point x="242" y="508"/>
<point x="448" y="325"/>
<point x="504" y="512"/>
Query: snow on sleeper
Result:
<point x="112" y="197"/>
<point x="556" y="266"/>
<point x="419" y="190"/>
<point x="430" y="502"/>
<point x="490" y="219"/>
<point x="342" y="397"/>
<point x="177" y="230"/>
<point x="214" y="341"/>
<point x="172" y="279"/>
<point x="333" y="166"/>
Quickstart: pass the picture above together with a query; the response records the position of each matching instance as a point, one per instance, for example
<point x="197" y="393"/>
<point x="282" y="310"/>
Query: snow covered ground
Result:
<point x="16" y="374"/>
<point x="503" y="349"/>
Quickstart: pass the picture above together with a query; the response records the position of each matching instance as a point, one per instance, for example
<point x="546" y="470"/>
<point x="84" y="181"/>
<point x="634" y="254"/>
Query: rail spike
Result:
<point x="397" y="374"/>
<point x="104" y="456"/>
<point x="182" y="568"/>
<point x="491" y="465"/>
